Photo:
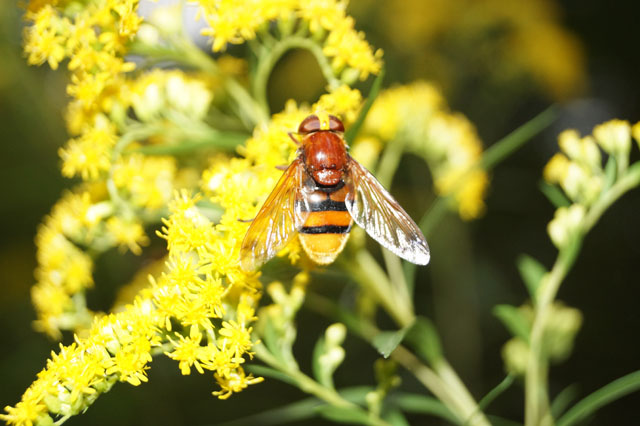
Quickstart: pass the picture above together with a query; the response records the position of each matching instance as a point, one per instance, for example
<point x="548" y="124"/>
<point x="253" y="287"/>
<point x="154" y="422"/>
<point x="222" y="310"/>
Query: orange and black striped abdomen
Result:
<point x="326" y="230"/>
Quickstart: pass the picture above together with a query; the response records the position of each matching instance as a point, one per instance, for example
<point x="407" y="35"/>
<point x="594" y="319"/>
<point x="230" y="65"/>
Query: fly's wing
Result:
<point x="281" y="216"/>
<point x="375" y="210"/>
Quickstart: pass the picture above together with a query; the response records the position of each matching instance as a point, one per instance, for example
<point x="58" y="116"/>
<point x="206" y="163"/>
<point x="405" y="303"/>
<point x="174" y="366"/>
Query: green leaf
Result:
<point x="352" y="132"/>
<point x="513" y="320"/>
<point x="563" y="399"/>
<point x="261" y="370"/>
<point x="603" y="396"/>
<point x="517" y="138"/>
<point x="350" y="415"/>
<point x="532" y="273"/>
<point x="386" y="341"/>
<point x="396" y="418"/>
<point x="423" y="337"/>
<point x="495" y="392"/>
<point x="554" y="194"/>
<point x="218" y="140"/>
<point x="294" y="412"/>
<point x="501" y="421"/>
<point x="422" y="404"/>
<point x="356" y="394"/>
<point x="297" y="411"/>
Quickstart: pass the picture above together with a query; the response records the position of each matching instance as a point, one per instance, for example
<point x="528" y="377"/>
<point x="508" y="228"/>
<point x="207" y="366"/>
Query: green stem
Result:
<point x="367" y="271"/>
<point x="506" y="146"/>
<point x="308" y="385"/>
<point x="389" y="161"/>
<point x="268" y="58"/>
<point x="536" y="394"/>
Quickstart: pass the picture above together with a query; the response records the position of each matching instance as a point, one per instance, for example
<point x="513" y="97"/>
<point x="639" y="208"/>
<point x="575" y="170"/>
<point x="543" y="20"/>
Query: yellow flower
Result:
<point x="614" y="137"/>
<point x="148" y="181"/>
<point x="188" y="351"/>
<point x="128" y="235"/>
<point x="417" y="116"/>
<point x="344" y="102"/>
<point x="556" y="169"/>
<point x="234" y="382"/>
<point x="90" y="154"/>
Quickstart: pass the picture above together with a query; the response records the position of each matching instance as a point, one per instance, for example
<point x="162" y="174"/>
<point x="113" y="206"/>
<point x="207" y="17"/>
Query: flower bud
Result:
<point x="564" y="224"/>
<point x="515" y="354"/>
<point x="614" y="136"/>
<point x="561" y="328"/>
<point x="148" y="34"/>
<point x="335" y="334"/>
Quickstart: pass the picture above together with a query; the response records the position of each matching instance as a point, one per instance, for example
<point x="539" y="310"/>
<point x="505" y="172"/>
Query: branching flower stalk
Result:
<point x="592" y="190"/>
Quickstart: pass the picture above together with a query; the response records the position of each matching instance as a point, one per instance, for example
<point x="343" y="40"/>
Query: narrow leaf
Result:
<point x="386" y="341"/>
<point x="513" y="320"/>
<point x="423" y="337"/>
<point x="603" y="396"/>
<point x="563" y="399"/>
<point x="495" y="392"/>
<point x="422" y="404"/>
<point x="349" y="415"/>
<point x="532" y="273"/>
<point x="396" y="418"/>
<point x="295" y="412"/>
<point x="352" y="132"/>
<point x="501" y="421"/>
<point x="554" y="194"/>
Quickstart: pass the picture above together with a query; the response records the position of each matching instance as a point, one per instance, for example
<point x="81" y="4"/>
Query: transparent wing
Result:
<point x="277" y="221"/>
<point x="375" y="210"/>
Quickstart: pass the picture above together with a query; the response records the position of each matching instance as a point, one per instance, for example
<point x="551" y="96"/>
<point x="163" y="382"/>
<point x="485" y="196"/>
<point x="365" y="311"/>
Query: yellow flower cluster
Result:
<point x="202" y="301"/>
<point x="578" y="170"/>
<point x="416" y="115"/>
<point x="198" y="308"/>
<point x="238" y="21"/>
<point x="94" y="39"/>
<point x="83" y="217"/>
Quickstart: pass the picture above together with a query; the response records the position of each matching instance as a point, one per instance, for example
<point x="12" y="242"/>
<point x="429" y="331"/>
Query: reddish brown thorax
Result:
<point x="323" y="149"/>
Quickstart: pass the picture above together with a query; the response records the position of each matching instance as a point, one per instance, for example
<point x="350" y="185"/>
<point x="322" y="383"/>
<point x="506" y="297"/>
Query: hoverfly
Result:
<point x="319" y="196"/>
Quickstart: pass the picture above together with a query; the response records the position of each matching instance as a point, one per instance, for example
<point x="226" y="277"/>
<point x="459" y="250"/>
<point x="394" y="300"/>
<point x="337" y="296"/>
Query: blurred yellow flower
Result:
<point x="416" y="115"/>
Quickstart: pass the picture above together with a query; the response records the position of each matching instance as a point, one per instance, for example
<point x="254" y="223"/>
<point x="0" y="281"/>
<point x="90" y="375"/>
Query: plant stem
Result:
<point x="367" y="271"/>
<point x="536" y="393"/>
<point x="268" y="58"/>
<point x="308" y="385"/>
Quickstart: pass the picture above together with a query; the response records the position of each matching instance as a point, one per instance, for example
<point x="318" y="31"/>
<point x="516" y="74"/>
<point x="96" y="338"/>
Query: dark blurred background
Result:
<point x="500" y="63"/>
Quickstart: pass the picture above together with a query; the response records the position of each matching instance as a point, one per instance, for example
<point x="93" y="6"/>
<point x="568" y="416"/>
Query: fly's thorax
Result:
<point x="325" y="157"/>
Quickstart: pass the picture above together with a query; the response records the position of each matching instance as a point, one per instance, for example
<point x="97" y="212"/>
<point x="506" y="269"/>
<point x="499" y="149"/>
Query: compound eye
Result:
<point x="309" y="125"/>
<point x="335" y="125"/>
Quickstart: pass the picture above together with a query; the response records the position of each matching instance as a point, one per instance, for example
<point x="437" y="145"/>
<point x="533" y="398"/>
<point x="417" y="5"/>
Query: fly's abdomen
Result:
<point x="326" y="230"/>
